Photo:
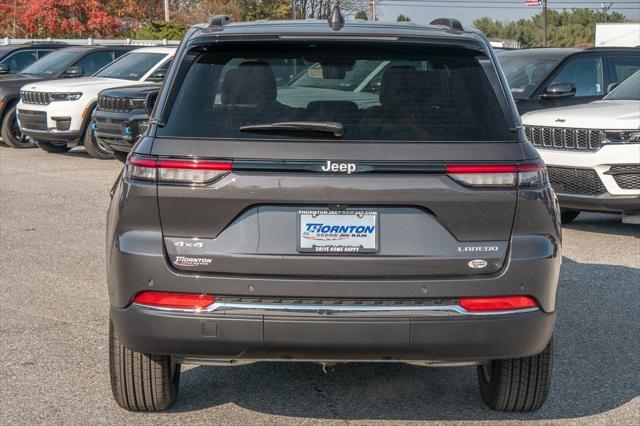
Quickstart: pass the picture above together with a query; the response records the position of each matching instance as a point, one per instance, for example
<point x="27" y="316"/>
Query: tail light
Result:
<point x="174" y="300"/>
<point x="190" y="171"/>
<point x="499" y="175"/>
<point x="505" y="303"/>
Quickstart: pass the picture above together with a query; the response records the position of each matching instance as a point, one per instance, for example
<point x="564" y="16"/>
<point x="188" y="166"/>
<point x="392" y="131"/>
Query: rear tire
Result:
<point x="53" y="147"/>
<point x="10" y="132"/>
<point x="518" y="384"/>
<point x="93" y="147"/>
<point x="568" y="216"/>
<point x="141" y="382"/>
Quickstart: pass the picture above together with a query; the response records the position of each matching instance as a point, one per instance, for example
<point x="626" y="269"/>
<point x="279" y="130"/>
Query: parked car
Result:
<point x="121" y="117"/>
<point x="420" y="229"/>
<point x="16" y="57"/>
<point x="555" y="77"/>
<point x="65" y="63"/>
<point x="57" y="113"/>
<point x="593" y="152"/>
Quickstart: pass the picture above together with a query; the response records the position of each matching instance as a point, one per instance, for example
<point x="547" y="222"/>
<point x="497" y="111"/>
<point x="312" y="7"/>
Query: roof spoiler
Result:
<point x="219" y="21"/>
<point x="452" y="23"/>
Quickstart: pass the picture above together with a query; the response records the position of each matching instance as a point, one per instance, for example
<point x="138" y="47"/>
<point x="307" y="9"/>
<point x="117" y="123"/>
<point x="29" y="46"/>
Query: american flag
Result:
<point x="532" y="3"/>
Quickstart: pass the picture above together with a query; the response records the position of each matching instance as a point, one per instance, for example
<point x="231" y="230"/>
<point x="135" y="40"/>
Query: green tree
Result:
<point x="402" y="18"/>
<point x="361" y="14"/>
<point x="566" y="28"/>
<point x="158" y="30"/>
<point x="264" y="9"/>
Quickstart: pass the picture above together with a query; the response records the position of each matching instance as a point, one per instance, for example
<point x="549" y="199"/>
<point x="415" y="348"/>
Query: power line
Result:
<point x="470" y="6"/>
<point x="516" y="2"/>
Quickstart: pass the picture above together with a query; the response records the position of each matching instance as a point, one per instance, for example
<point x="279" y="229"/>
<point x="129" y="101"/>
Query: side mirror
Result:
<point x="559" y="90"/>
<point x="610" y="88"/>
<point x="376" y="86"/>
<point x="4" y="69"/>
<point x="157" y="76"/>
<point x="73" y="72"/>
<point x="150" y="102"/>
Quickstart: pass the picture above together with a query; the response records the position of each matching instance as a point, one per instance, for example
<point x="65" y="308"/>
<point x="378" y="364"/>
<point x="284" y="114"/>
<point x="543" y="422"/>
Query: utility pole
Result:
<point x="605" y="9"/>
<point x="372" y="10"/>
<point x="166" y="10"/>
<point x="293" y="9"/>
<point x="544" y="25"/>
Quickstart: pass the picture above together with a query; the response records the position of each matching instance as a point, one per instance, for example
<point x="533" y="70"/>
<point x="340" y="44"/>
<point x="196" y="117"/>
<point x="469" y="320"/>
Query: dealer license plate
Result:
<point x="338" y="231"/>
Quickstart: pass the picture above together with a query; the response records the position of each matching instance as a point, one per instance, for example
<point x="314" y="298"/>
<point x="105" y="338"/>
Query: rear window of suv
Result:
<point x="378" y="92"/>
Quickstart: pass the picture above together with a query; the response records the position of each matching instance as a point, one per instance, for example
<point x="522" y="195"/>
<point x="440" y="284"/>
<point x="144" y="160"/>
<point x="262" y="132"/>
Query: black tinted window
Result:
<point x="585" y="73"/>
<point x="525" y="72"/>
<point x="377" y="93"/>
<point x="92" y="62"/>
<point x="20" y="60"/>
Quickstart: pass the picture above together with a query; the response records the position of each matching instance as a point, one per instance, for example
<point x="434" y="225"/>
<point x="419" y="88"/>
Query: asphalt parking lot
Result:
<point x="54" y="308"/>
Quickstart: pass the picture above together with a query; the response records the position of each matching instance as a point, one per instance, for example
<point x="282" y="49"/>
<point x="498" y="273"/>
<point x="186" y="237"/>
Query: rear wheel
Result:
<point x="568" y="216"/>
<point x="11" y="133"/>
<point x="53" y="146"/>
<point x="94" y="147"/>
<point x="518" y="384"/>
<point x="141" y="382"/>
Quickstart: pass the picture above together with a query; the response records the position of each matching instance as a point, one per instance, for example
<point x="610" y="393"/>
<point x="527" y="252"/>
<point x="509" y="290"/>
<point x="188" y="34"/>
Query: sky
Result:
<point x="423" y="11"/>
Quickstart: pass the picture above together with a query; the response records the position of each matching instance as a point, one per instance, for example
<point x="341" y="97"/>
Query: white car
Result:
<point x="57" y="113"/>
<point x="592" y="152"/>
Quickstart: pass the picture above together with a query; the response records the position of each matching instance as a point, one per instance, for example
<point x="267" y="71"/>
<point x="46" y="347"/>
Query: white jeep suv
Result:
<point x="57" y="113"/>
<point x="592" y="152"/>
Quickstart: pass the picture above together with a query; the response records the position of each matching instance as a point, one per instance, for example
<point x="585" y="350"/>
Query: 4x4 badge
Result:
<point x="188" y="244"/>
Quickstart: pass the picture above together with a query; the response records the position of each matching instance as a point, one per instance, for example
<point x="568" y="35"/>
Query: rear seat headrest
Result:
<point x="252" y="83"/>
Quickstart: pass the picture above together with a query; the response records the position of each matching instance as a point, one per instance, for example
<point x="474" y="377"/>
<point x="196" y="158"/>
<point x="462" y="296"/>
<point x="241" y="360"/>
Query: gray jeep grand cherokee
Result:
<point x="403" y="220"/>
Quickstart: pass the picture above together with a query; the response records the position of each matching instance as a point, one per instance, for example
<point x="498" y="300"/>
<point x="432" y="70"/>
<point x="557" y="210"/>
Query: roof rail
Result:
<point x="452" y="23"/>
<point x="219" y="21"/>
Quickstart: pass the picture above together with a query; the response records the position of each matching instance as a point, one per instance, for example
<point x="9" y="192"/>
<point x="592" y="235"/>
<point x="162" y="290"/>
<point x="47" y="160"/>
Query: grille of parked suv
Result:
<point x="627" y="177"/>
<point x="108" y="103"/>
<point x="34" y="120"/>
<point x="108" y="126"/>
<point x="565" y="139"/>
<point x="39" y="98"/>
<point x="569" y="180"/>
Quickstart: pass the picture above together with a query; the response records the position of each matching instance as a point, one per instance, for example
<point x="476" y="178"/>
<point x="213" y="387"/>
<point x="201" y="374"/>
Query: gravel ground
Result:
<point x="53" y="329"/>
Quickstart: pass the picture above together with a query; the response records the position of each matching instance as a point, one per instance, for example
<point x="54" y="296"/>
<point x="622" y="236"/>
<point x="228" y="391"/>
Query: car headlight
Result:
<point x="622" y="136"/>
<point x="64" y="96"/>
<point x="138" y="103"/>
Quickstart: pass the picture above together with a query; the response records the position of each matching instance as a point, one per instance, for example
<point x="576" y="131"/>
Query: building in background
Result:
<point x="620" y="34"/>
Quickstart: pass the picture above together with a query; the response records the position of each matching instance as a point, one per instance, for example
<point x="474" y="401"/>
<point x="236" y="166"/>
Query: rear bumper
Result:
<point x="202" y="337"/>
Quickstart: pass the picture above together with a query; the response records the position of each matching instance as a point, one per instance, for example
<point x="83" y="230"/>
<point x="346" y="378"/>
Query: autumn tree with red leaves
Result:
<point x="62" y="18"/>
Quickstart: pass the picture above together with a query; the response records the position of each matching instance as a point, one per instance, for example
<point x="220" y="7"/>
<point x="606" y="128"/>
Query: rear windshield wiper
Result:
<point x="300" y="126"/>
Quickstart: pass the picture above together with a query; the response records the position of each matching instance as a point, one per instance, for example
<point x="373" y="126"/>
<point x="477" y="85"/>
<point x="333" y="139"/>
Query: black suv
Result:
<point x="76" y="61"/>
<point x="16" y="57"/>
<point x="259" y="222"/>
<point x="121" y="117"/>
<point x="554" y="77"/>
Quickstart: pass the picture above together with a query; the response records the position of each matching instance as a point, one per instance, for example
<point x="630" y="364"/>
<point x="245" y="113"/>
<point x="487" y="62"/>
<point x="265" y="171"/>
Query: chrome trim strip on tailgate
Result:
<point x="341" y="311"/>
